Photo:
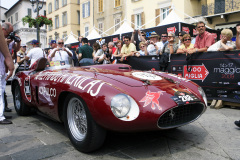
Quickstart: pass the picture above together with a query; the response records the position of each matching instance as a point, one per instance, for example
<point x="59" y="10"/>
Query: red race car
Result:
<point x="93" y="99"/>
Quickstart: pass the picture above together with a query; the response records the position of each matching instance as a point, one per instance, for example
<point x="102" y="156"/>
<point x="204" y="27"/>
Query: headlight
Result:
<point x="201" y="91"/>
<point x="124" y="107"/>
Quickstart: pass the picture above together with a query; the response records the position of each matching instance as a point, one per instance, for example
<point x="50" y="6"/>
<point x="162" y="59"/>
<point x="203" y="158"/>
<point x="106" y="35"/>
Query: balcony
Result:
<point x="221" y="6"/>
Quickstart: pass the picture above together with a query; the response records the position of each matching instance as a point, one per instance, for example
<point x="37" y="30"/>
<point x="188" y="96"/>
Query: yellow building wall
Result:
<point x="72" y="21"/>
<point x="88" y="20"/>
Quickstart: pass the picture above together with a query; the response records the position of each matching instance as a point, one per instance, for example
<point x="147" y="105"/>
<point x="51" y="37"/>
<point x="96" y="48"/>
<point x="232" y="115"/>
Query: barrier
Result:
<point x="218" y="73"/>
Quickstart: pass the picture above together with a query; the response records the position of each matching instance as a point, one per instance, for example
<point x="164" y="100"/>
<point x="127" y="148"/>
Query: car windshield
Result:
<point x="57" y="67"/>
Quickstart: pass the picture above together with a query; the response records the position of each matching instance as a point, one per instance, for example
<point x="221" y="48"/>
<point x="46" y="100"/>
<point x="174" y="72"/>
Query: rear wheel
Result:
<point x="21" y="108"/>
<point x="84" y="133"/>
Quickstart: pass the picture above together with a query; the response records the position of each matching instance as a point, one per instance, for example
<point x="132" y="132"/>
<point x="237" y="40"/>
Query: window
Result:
<point x="78" y="13"/>
<point x="165" y="13"/>
<point x="117" y="3"/>
<point x="64" y="19"/>
<point x="56" y="36"/>
<point x="78" y="32"/>
<point x="49" y="28"/>
<point x="8" y="19"/>
<point x="138" y="20"/>
<point x="11" y="19"/>
<point x="56" y="4"/>
<point x="86" y="9"/>
<point x="117" y="24"/>
<point x="64" y="2"/>
<point x="100" y="28"/>
<point x="64" y="35"/>
<point x="49" y="39"/>
<point x="100" y="5"/>
<point x="86" y="31"/>
<point x="50" y="8"/>
<point x="16" y="16"/>
<point x="78" y="2"/>
<point x="29" y="12"/>
<point x="56" y="22"/>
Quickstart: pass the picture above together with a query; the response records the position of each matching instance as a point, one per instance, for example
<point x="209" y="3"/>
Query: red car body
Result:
<point x="162" y="100"/>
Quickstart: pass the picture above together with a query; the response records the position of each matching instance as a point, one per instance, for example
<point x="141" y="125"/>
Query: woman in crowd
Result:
<point x="186" y="46"/>
<point x="168" y="49"/>
<point x="96" y="51"/>
<point x="225" y="44"/>
<point x="142" y="51"/>
<point x="180" y="36"/>
<point x="117" y="52"/>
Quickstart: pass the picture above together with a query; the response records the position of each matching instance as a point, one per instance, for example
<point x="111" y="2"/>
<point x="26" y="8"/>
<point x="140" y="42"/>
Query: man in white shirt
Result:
<point x="153" y="45"/>
<point x="61" y="53"/>
<point x="35" y="53"/>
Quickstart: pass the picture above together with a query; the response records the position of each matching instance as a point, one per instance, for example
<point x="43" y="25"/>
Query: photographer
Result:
<point x="13" y="40"/>
<point x="61" y="53"/>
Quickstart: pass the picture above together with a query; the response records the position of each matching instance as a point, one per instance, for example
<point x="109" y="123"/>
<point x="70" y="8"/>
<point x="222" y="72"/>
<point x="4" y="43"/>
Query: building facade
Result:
<point x="15" y="14"/>
<point x="2" y="15"/>
<point x="66" y="18"/>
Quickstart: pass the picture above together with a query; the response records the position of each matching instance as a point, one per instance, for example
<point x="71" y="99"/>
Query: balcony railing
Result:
<point x="222" y="6"/>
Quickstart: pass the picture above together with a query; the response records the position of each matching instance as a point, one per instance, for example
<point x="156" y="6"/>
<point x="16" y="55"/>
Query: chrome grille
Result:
<point x="180" y="115"/>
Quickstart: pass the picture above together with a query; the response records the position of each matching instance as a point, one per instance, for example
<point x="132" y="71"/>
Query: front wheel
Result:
<point x="83" y="132"/>
<point x="21" y="108"/>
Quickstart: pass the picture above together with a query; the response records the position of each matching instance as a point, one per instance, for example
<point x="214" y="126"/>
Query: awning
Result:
<point x="171" y="18"/>
<point x="124" y="28"/>
<point x="93" y="35"/>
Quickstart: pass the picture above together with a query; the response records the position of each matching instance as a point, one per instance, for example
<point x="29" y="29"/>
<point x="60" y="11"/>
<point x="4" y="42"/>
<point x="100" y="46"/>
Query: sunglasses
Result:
<point x="187" y="39"/>
<point x="180" y="35"/>
<point x="126" y="40"/>
<point x="169" y="36"/>
<point x="142" y="46"/>
<point x="143" y="35"/>
<point x="200" y="26"/>
<point x="164" y="36"/>
<point x="60" y="43"/>
<point x="24" y="46"/>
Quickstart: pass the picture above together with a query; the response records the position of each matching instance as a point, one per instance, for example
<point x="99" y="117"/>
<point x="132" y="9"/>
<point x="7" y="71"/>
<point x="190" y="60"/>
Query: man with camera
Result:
<point x="61" y="53"/>
<point x="13" y="43"/>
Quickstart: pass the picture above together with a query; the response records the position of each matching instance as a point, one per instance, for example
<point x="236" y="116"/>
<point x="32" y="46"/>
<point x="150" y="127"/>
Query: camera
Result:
<point x="13" y="37"/>
<point x="60" y="48"/>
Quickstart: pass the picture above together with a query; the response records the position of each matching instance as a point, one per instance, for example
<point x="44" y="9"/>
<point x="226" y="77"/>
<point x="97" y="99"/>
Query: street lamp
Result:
<point x="37" y="9"/>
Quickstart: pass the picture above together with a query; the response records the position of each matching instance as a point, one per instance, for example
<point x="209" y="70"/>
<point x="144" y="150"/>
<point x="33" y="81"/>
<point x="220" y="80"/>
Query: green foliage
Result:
<point x="40" y="20"/>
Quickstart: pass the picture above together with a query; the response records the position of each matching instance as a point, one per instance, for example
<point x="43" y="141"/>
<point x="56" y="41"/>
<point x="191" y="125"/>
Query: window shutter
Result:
<point x="83" y="10"/>
<point x="170" y="9"/>
<point x="157" y="11"/>
<point x="143" y="19"/>
<point x="133" y="20"/>
<point x="63" y="19"/>
<point x="88" y="8"/>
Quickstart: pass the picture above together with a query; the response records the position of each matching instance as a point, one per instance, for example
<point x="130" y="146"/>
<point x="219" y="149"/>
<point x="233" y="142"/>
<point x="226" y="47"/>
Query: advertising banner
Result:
<point x="218" y="73"/>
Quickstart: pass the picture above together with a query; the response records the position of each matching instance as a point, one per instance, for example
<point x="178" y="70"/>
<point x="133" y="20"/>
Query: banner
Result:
<point x="218" y="73"/>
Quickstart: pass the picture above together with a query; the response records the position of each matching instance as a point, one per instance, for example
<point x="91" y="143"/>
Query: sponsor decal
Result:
<point x="195" y="32"/>
<point x="221" y="91"/>
<point x="183" y="97"/>
<point x="115" y="39"/>
<point x="198" y="72"/>
<point x="152" y="98"/>
<point x="171" y="30"/>
<point x="178" y="77"/>
<point x="236" y="92"/>
<point x="101" y="41"/>
<point x="27" y="88"/>
<point x="92" y="87"/>
<point x="146" y="76"/>
<point x="50" y="92"/>
<point x="185" y="29"/>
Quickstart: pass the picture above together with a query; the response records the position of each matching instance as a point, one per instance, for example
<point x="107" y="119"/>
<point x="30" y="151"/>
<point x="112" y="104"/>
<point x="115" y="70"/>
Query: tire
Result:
<point x="21" y="108"/>
<point x="84" y="133"/>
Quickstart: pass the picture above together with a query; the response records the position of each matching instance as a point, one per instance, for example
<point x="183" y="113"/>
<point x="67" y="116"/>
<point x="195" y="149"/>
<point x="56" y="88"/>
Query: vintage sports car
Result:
<point x="93" y="99"/>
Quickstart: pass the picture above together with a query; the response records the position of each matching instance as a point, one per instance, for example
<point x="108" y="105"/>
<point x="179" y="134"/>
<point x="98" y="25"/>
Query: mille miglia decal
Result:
<point x="27" y="88"/>
<point x="75" y="80"/>
<point x="152" y="98"/>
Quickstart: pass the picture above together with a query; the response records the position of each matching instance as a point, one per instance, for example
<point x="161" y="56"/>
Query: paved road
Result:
<point x="213" y="136"/>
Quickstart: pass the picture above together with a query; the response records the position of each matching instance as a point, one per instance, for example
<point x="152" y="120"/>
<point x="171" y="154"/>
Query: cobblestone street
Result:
<point x="212" y="136"/>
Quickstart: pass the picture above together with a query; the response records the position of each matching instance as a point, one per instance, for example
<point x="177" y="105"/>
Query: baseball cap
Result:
<point x="52" y="42"/>
<point x="35" y="42"/>
<point x="23" y="45"/>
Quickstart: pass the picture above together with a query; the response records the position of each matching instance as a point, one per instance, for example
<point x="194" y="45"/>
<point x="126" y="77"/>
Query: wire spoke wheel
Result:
<point x="77" y="119"/>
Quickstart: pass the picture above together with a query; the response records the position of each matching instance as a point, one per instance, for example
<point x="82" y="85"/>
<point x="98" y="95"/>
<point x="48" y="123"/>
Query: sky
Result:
<point x="7" y="3"/>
